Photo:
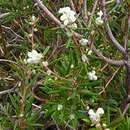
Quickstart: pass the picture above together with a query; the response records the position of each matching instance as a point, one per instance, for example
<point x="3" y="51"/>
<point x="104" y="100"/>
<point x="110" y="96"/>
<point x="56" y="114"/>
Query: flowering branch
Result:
<point x="79" y="36"/>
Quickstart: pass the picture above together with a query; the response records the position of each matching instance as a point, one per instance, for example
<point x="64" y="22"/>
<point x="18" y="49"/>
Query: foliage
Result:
<point x="34" y="95"/>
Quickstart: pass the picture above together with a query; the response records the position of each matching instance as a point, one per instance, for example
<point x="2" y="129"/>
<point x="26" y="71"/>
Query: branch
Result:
<point x="110" y="61"/>
<point x="13" y="32"/>
<point x="9" y="90"/>
<point x="44" y="8"/>
<point x="109" y="81"/>
<point x="4" y="15"/>
<point x="108" y="30"/>
<point x="126" y="30"/>
<point x="72" y="5"/>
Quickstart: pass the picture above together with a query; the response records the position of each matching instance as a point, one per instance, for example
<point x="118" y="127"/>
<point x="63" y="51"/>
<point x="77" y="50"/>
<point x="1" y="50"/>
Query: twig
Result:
<point x="4" y="15"/>
<point x="104" y="67"/>
<point x="108" y="29"/>
<point x="9" y="90"/>
<point x="126" y="30"/>
<point x="109" y="81"/>
<point x="8" y="28"/>
<point x="44" y="8"/>
<point x="72" y="5"/>
<point x="85" y="7"/>
<point x="110" y="61"/>
<point x="9" y="61"/>
<point x="126" y="108"/>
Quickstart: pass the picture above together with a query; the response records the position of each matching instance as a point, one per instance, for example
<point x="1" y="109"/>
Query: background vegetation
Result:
<point x="30" y="97"/>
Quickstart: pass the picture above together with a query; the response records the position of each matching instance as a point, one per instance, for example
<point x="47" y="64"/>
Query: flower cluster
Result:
<point x="92" y="75"/>
<point x="68" y="17"/>
<point x="34" y="57"/>
<point x="95" y="116"/>
<point x="83" y="41"/>
<point x="99" y="20"/>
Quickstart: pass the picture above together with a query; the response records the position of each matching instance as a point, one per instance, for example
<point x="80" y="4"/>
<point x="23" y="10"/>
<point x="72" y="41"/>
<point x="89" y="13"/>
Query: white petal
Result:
<point x="91" y="112"/>
<point x="100" y="13"/>
<point x="83" y="41"/>
<point x="66" y="22"/>
<point x="63" y="17"/>
<point x="100" y="111"/>
<point x="99" y="21"/>
<point x="30" y="61"/>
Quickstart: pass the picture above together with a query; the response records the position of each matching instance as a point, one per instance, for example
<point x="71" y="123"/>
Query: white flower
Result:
<point x="100" y="111"/>
<point x="100" y="13"/>
<point x="68" y="16"/>
<point x="92" y="75"/>
<point x="59" y="107"/>
<point x="99" y="21"/>
<point x="34" y="57"/>
<point x="84" y="58"/>
<point x="73" y="26"/>
<point x="72" y="66"/>
<point x="64" y="9"/>
<point x="107" y="129"/>
<point x="95" y="116"/>
<point x="83" y="42"/>
<point x="72" y="116"/>
<point x="45" y="63"/>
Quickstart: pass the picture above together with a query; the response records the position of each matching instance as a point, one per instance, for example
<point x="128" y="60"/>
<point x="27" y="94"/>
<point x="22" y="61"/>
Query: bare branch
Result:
<point x="108" y="30"/>
<point x="9" y="90"/>
<point x="126" y="30"/>
<point x="110" y="61"/>
<point x="44" y="8"/>
<point x="72" y="5"/>
<point x="85" y="7"/>
<point x="13" y="32"/>
<point x="4" y="15"/>
<point x="109" y="81"/>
